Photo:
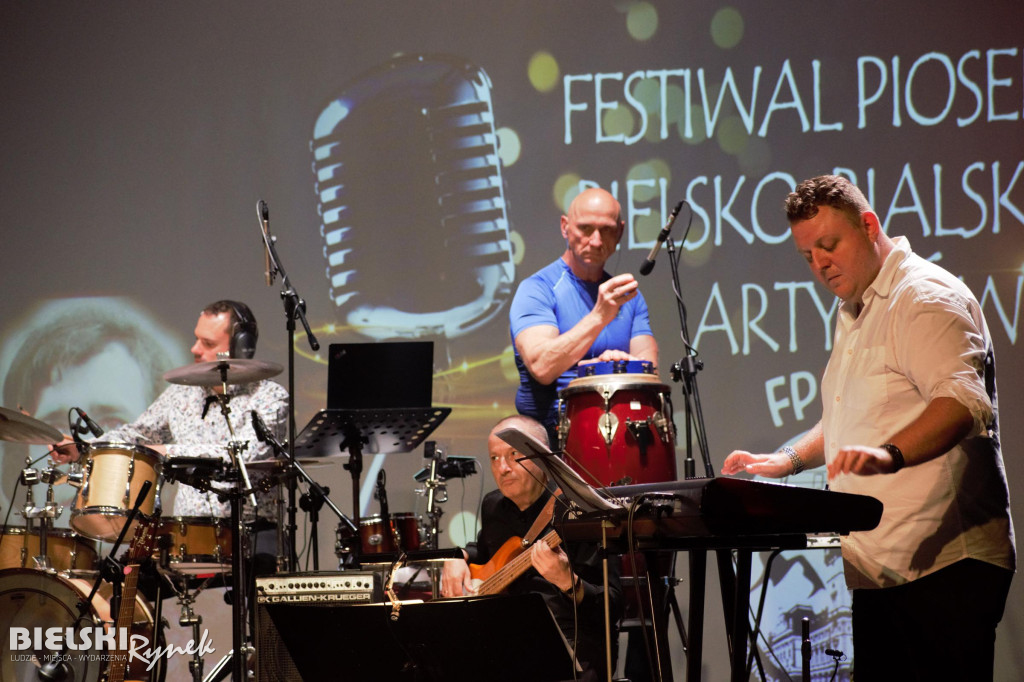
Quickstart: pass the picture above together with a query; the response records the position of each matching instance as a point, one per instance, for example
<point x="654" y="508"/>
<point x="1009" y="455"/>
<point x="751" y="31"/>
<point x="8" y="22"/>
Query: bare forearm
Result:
<point x="548" y="354"/>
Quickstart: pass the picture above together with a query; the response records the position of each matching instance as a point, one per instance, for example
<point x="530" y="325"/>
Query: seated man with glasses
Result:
<point x="570" y="580"/>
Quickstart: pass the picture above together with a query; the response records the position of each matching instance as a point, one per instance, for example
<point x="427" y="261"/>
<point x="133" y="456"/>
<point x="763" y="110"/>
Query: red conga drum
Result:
<point x="615" y="424"/>
<point x="615" y="427"/>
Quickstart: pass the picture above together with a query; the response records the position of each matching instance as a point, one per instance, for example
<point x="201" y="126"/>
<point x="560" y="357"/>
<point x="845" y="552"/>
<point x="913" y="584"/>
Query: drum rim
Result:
<point x="377" y="518"/>
<point x="582" y="367"/>
<point x="58" y="532"/>
<point x="196" y="520"/>
<point x="123" y="447"/>
<point x="618" y="382"/>
<point x="107" y="511"/>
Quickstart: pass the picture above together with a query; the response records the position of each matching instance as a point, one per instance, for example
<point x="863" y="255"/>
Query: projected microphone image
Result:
<point x="411" y="200"/>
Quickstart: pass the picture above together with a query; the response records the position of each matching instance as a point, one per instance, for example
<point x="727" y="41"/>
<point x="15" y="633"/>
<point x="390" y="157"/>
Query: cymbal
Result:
<point x="270" y="464"/>
<point x="16" y="427"/>
<point x="217" y="372"/>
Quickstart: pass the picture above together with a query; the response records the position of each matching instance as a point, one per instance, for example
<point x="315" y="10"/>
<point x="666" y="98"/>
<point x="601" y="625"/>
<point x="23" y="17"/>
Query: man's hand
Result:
<point x="455" y="579"/>
<point x="861" y="460"/>
<point x="613" y="294"/>
<point x="65" y="451"/>
<point x="775" y="465"/>
<point x="609" y="355"/>
<point x="552" y="564"/>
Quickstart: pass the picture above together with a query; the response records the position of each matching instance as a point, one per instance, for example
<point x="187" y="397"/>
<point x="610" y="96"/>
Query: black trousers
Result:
<point x="939" y="627"/>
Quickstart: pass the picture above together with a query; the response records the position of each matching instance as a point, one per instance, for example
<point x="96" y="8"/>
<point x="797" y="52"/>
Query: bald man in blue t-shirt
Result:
<point x="572" y="311"/>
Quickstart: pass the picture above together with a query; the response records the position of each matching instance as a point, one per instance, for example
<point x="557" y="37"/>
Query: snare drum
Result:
<point x="199" y="544"/>
<point x="374" y="539"/>
<point x="112" y="475"/>
<point x="615" y="423"/>
<point x="38" y="599"/>
<point x="66" y="550"/>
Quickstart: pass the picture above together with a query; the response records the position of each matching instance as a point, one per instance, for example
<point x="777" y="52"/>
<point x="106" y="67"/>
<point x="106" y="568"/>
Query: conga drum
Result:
<point x="615" y="427"/>
<point x="615" y="424"/>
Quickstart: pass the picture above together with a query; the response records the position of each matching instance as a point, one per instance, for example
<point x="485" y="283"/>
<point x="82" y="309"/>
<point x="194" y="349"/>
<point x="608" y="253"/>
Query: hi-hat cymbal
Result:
<point x="217" y="372"/>
<point x="16" y="427"/>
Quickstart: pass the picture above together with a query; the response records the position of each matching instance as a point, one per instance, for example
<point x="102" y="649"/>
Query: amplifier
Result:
<point x="285" y="591"/>
<point x="349" y="587"/>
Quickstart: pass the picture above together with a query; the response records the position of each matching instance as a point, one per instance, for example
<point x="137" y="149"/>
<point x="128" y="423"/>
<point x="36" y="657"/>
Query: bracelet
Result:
<point x="574" y="586"/>
<point x="898" y="462"/>
<point x="794" y="459"/>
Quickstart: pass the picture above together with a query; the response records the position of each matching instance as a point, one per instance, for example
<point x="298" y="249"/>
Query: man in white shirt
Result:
<point x="909" y="417"/>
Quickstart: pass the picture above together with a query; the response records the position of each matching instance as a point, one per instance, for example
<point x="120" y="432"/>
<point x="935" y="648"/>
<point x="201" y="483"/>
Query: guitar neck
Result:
<point x="125" y="617"/>
<point x="514" y="568"/>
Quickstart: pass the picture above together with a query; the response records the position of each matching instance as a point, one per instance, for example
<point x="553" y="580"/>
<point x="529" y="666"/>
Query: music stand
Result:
<point x="382" y="431"/>
<point x="497" y="638"/>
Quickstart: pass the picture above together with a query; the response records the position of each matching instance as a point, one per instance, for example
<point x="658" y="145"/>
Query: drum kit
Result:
<point x="47" y="573"/>
<point x="56" y="577"/>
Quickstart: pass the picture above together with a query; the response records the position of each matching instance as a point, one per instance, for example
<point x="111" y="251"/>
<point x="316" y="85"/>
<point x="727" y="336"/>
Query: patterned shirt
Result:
<point x="184" y="419"/>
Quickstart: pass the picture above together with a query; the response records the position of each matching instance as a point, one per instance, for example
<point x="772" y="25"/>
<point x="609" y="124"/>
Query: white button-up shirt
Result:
<point x="919" y="335"/>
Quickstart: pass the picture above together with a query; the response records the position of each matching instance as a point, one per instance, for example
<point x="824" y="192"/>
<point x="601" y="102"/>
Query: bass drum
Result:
<point x="36" y="599"/>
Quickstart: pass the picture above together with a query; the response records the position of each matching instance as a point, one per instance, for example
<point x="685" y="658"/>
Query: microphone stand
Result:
<point x="317" y="496"/>
<point x="295" y="307"/>
<point x="685" y="371"/>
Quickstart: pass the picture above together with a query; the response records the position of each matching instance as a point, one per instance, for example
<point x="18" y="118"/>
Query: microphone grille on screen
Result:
<point x="411" y="200"/>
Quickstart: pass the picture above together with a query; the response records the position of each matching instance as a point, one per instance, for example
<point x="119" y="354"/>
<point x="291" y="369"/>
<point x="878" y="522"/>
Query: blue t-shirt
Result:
<point x="555" y="297"/>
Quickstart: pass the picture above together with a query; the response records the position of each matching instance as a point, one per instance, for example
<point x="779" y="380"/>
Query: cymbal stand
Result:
<point x="236" y="497"/>
<point x="295" y="308"/>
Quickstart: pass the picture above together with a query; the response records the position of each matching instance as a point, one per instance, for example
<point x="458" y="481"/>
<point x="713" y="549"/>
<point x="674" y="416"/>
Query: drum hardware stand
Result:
<point x="236" y="497"/>
<point x="45" y="514"/>
<point x="295" y="308"/>
<point x="185" y="597"/>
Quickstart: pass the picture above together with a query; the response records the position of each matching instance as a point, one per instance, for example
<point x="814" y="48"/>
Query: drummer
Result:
<point x="573" y="311"/>
<point x="187" y="421"/>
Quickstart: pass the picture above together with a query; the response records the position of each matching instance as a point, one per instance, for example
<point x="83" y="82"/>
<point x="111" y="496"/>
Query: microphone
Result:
<point x="93" y="427"/>
<point x="431" y="116"/>
<point x="260" y="427"/>
<point x="836" y="653"/>
<point x="648" y="263"/>
<point x="263" y="213"/>
<point x="382" y="494"/>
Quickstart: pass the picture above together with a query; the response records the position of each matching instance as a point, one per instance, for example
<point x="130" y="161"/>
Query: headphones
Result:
<point x="244" y="331"/>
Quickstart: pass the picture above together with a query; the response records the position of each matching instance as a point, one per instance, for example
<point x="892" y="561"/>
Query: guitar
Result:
<point x="141" y="547"/>
<point x="508" y="563"/>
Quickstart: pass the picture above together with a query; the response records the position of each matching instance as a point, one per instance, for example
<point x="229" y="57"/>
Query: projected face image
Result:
<point x="109" y="386"/>
<point x="104" y="355"/>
